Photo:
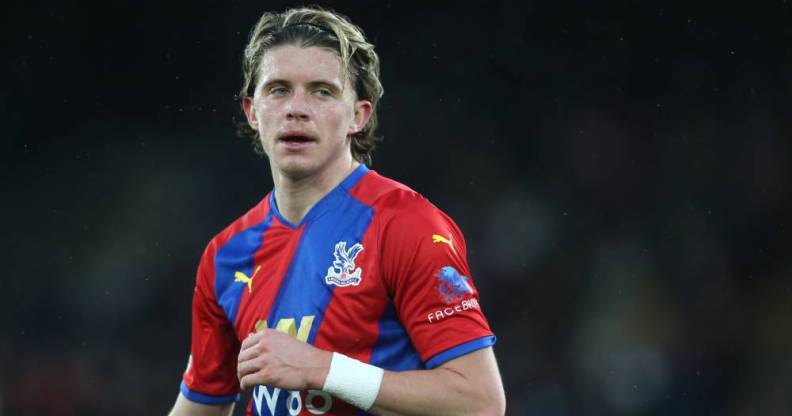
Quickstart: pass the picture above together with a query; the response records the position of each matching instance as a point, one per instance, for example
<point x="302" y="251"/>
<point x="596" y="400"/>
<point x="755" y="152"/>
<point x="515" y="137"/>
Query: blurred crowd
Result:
<point x="621" y="175"/>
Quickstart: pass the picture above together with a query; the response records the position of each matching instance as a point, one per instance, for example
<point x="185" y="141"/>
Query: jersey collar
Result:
<point x="331" y="200"/>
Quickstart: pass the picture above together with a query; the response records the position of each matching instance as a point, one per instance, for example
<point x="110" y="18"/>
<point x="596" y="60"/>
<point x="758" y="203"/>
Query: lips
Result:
<point x="296" y="136"/>
<point x="296" y="140"/>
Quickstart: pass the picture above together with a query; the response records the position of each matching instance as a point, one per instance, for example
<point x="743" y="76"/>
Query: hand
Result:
<point x="275" y="359"/>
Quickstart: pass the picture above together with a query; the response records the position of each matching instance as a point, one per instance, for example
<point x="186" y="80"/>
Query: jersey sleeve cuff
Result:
<point x="206" y="399"/>
<point x="460" y="350"/>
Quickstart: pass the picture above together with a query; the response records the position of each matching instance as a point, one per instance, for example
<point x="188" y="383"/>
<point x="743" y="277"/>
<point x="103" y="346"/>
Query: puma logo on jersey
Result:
<point x="437" y="238"/>
<point x="242" y="277"/>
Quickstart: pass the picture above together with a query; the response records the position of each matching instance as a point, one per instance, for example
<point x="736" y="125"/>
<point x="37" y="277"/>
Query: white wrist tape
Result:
<point x="353" y="381"/>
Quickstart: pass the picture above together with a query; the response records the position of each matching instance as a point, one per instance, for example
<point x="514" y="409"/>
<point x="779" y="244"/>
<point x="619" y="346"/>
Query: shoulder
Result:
<point x="252" y="217"/>
<point x="402" y="213"/>
<point x="206" y="265"/>
<point x="392" y="200"/>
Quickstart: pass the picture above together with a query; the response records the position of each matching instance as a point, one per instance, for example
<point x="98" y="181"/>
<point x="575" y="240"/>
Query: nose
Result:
<point x="297" y="109"/>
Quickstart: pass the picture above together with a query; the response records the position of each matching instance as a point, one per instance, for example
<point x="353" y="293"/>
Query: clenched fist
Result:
<point x="275" y="359"/>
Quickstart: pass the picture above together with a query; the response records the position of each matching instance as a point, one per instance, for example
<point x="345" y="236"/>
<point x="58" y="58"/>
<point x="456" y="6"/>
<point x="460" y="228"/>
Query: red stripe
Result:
<point x="273" y="259"/>
<point x="354" y="333"/>
<point x="251" y="218"/>
<point x="372" y="186"/>
<point x="213" y="380"/>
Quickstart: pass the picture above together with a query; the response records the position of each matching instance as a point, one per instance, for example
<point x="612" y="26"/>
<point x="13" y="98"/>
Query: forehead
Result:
<point x="297" y="64"/>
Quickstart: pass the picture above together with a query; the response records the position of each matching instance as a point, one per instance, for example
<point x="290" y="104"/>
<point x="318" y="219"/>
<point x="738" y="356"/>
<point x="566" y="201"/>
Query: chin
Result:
<point x="296" y="169"/>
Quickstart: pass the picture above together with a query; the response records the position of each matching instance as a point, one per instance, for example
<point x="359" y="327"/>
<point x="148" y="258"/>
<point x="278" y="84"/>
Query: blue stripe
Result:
<point x="303" y="291"/>
<point x="460" y="350"/>
<point x="237" y="255"/>
<point x="204" y="399"/>
<point x="325" y="203"/>
<point x="354" y="177"/>
<point x="393" y="349"/>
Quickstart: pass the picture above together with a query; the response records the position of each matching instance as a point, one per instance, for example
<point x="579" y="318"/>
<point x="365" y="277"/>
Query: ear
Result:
<point x="363" y="111"/>
<point x="250" y="112"/>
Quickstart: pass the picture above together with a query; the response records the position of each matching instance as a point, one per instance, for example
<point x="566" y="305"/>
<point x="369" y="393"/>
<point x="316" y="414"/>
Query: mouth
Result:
<point x="296" y="140"/>
<point x="296" y="136"/>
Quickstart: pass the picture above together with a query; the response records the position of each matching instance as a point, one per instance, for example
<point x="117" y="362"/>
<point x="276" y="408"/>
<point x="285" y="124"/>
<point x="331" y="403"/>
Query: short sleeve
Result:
<point x="210" y="377"/>
<point x="425" y="267"/>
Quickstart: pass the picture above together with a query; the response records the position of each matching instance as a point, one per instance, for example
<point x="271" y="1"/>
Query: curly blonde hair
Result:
<point x="314" y="26"/>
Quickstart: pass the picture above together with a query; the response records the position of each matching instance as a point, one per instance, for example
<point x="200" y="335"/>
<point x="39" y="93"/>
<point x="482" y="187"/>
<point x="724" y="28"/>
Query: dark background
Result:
<point x="620" y="170"/>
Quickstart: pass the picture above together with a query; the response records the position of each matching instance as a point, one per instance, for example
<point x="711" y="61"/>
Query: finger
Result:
<point x="249" y="381"/>
<point x="248" y="353"/>
<point x="243" y="384"/>
<point x="249" y="340"/>
<point x="247" y="367"/>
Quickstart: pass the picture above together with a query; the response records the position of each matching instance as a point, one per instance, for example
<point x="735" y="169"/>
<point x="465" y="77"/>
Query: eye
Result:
<point x="323" y="92"/>
<point x="278" y="90"/>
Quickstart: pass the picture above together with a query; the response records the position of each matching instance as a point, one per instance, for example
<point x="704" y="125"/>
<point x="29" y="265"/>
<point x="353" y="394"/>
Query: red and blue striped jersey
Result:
<point x="373" y="271"/>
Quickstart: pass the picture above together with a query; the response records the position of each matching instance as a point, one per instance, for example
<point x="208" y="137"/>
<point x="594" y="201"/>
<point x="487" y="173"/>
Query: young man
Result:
<point x="341" y="290"/>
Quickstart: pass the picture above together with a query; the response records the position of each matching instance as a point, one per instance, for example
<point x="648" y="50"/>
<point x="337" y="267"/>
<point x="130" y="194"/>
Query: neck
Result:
<point x="297" y="195"/>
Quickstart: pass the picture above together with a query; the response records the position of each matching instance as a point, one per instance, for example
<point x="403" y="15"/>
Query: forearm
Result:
<point x="468" y="385"/>
<point x="435" y="392"/>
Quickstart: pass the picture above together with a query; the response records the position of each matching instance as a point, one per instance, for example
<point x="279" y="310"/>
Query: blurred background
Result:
<point x="621" y="171"/>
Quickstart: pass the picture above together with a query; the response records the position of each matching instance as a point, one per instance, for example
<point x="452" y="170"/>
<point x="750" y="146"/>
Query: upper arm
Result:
<point x="210" y="377"/>
<point x="424" y="264"/>
<point x="185" y="407"/>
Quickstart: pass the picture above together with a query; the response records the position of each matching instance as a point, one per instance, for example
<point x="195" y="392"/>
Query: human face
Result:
<point x="304" y="113"/>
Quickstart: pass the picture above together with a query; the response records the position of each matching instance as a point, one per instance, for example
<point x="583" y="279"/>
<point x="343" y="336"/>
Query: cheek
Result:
<point x="265" y="116"/>
<point x="339" y="118"/>
<point x="262" y="109"/>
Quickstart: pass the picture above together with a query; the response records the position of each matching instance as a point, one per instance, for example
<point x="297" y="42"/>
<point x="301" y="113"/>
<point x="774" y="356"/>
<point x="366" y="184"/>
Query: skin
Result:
<point x="301" y="90"/>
